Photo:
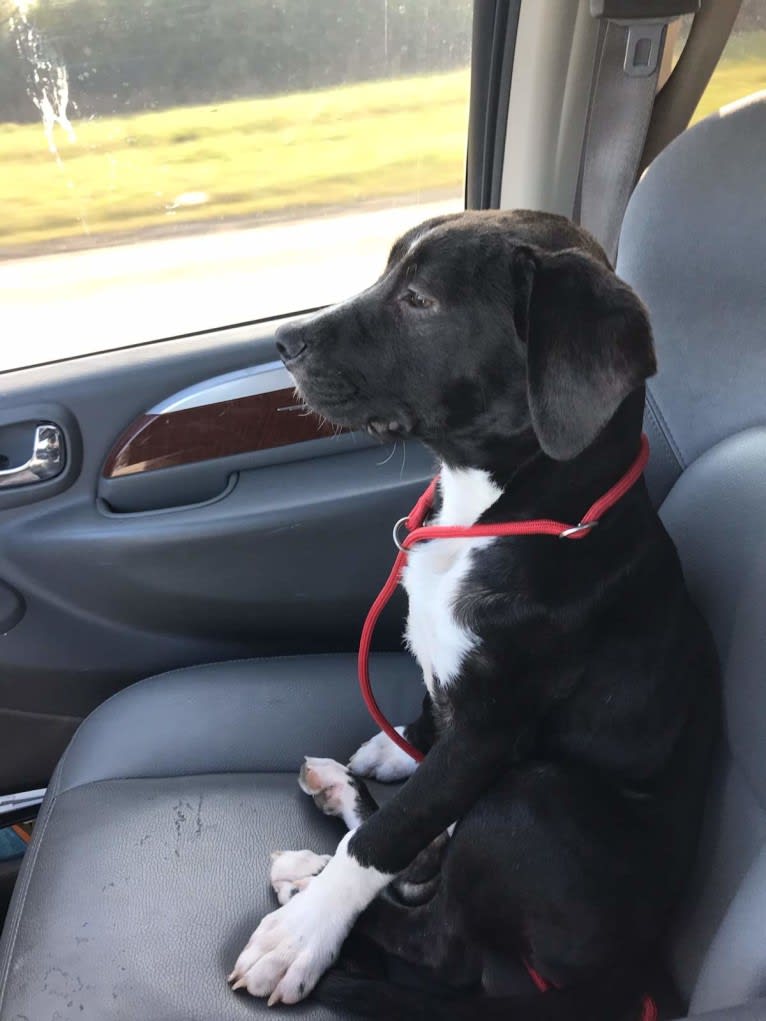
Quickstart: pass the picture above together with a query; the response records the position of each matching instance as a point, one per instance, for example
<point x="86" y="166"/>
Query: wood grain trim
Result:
<point x="260" y="422"/>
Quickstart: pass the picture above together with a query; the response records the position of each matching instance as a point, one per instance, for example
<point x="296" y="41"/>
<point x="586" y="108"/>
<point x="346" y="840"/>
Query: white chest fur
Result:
<point x="435" y="574"/>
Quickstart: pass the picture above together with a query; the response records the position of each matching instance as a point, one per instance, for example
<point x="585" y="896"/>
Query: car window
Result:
<point x="741" y="70"/>
<point x="172" y="166"/>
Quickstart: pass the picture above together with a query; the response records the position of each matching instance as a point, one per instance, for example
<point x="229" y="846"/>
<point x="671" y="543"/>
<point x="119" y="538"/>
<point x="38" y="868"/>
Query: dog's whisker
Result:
<point x="387" y="459"/>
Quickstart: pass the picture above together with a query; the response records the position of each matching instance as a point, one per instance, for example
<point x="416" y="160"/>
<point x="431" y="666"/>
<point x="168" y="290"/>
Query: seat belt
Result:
<point x="620" y="109"/>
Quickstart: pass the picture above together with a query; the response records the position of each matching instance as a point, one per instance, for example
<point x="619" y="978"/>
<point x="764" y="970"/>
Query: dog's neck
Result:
<point x="466" y="493"/>
<point x="518" y="480"/>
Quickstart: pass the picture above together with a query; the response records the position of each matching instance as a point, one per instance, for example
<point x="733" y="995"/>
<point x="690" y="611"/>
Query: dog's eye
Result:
<point x="416" y="300"/>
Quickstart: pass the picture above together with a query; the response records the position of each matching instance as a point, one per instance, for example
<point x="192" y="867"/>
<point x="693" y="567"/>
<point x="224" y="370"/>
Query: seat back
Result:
<point x="694" y="247"/>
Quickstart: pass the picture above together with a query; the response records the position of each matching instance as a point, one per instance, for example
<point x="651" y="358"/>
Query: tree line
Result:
<point x="124" y="56"/>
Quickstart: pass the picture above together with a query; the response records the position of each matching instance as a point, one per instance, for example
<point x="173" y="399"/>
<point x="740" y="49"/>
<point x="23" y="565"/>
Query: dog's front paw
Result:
<point x="289" y="951"/>
<point x="334" y="790"/>
<point x="380" y="759"/>
<point x="292" y="871"/>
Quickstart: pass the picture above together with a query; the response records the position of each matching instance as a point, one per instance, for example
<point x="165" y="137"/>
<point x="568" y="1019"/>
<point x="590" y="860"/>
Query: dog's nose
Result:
<point x="290" y="342"/>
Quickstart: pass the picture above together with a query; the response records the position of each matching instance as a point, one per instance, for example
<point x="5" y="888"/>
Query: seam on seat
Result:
<point x="257" y="659"/>
<point x="19" y="904"/>
<point x="181" y="776"/>
<point x="200" y="666"/>
<point x="73" y="717"/>
<point x="736" y="765"/>
<point x="660" y="448"/>
<point x="663" y="428"/>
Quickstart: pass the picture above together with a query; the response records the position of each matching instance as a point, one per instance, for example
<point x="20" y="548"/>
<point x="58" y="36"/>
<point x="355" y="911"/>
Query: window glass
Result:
<point x="742" y="67"/>
<point x="168" y="166"/>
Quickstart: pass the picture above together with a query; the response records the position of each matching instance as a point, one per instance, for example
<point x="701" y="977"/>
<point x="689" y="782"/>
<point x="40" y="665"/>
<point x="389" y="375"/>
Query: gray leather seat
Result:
<point x="149" y="864"/>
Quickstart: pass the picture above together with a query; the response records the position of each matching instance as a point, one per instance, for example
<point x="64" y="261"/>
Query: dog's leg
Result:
<point x="294" y="945"/>
<point x="338" y="793"/>
<point x="424" y="935"/>
<point x="380" y="759"/>
<point x="408" y="919"/>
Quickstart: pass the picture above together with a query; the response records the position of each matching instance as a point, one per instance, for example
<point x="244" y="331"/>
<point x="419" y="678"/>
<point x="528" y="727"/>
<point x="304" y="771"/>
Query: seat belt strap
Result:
<point x="622" y="99"/>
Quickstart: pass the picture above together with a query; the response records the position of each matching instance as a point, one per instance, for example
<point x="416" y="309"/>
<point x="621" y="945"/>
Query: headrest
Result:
<point x="693" y="245"/>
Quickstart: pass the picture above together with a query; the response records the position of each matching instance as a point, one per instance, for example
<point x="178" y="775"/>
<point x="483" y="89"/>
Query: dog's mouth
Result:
<point x="389" y="428"/>
<point x="343" y="404"/>
<point x="352" y="418"/>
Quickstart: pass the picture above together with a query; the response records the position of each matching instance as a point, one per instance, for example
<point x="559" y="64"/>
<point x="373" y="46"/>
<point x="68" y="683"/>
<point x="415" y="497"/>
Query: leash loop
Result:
<point x="395" y="533"/>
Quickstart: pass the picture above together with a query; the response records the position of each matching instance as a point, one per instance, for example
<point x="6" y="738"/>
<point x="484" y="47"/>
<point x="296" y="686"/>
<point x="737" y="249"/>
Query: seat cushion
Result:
<point x="149" y="865"/>
<point x="715" y="514"/>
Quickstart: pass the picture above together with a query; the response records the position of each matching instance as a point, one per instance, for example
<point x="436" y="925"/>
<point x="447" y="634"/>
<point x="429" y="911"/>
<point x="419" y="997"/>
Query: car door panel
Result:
<point x="285" y="557"/>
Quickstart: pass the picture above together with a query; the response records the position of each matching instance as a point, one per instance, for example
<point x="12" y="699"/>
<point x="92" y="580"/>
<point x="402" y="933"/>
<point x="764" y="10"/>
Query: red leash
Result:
<point x="649" y="1010"/>
<point x="417" y="532"/>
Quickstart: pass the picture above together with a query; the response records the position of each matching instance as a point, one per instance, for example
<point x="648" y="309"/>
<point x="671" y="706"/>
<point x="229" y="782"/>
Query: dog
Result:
<point x="572" y="698"/>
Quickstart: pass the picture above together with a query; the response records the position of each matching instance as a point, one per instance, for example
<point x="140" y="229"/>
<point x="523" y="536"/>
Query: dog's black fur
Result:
<point x="574" y="745"/>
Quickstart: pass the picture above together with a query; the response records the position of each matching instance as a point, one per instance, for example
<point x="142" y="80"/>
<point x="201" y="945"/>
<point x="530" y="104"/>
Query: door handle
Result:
<point x="47" y="461"/>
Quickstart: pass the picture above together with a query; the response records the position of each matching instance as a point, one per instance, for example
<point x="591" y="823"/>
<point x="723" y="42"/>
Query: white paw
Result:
<point x="332" y="787"/>
<point x="382" y="760"/>
<point x="288" y="953"/>
<point x="292" y="871"/>
<point x="293" y="946"/>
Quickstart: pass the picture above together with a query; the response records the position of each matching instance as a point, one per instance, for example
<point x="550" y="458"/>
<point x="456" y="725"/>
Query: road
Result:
<point x="60" y="306"/>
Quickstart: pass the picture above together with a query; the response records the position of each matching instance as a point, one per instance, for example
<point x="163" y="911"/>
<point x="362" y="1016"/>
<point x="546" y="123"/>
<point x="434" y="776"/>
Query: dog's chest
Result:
<point x="437" y="573"/>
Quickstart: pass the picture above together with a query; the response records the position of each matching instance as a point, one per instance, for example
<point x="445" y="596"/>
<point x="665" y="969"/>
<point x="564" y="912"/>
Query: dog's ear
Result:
<point x="588" y="345"/>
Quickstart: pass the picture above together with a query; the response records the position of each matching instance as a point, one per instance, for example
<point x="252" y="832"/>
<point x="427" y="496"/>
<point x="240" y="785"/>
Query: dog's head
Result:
<point x="483" y="327"/>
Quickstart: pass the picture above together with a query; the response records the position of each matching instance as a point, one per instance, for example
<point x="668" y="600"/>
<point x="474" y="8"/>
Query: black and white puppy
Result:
<point x="571" y="685"/>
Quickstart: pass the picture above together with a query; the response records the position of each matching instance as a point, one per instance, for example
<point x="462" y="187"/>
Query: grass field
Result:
<point x="742" y="70"/>
<point x="243" y="158"/>
<point x="235" y="159"/>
